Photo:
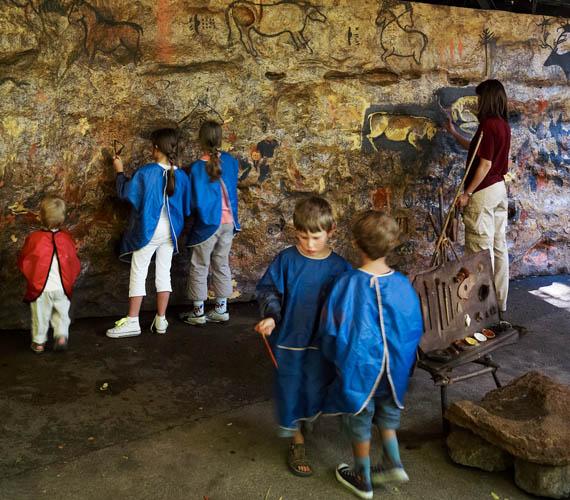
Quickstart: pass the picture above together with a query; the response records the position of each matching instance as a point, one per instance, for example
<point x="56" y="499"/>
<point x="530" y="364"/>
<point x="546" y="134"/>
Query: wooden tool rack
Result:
<point x="458" y="299"/>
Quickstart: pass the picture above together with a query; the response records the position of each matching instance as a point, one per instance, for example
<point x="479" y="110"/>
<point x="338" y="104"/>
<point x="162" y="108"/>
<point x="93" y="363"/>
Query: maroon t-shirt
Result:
<point x="495" y="147"/>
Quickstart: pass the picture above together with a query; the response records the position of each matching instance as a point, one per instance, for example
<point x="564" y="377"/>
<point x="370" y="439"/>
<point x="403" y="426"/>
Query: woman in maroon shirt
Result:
<point x="484" y="200"/>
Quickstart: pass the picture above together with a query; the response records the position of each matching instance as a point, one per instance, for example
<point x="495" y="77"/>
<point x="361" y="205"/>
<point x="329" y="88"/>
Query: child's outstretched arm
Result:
<point x="131" y="190"/>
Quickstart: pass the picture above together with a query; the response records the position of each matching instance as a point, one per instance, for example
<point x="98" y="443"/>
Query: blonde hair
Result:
<point x="52" y="212"/>
<point x="375" y="233"/>
<point x="313" y="214"/>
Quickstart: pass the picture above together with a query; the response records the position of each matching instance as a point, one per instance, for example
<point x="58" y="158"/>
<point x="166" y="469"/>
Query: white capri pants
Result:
<point x="161" y="244"/>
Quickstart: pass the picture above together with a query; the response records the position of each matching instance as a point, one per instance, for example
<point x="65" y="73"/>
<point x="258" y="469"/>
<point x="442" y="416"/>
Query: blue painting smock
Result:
<point x="146" y="192"/>
<point x="207" y="198"/>
<point x="292" y="291"/>
<point x="370" y="326"/>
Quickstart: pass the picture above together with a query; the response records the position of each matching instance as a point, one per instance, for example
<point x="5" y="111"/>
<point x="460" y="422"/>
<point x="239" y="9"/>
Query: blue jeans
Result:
<point x="381" y="410"/>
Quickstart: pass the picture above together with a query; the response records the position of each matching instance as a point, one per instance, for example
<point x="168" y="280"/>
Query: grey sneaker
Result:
<point x="192" y="318"/>
<point x="381" y="475"/>
<point x="125" y="327"/>
<point x="217" y="317"/>
<point x="159" y="325"/>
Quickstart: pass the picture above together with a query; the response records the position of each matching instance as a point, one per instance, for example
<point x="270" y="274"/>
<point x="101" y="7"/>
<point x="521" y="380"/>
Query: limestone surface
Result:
<point x="527" y="418"/>
<point x="345" y="98"/>
<point x="466" y="448"/>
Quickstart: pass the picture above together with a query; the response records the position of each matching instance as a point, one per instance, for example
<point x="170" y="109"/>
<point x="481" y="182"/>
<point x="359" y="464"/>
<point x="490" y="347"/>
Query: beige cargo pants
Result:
<point x="212" y="254"/>
<point x="485" y="219"/>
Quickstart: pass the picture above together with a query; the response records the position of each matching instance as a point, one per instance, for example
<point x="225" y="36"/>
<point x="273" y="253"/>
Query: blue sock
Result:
<point x="198" y="307"/>
<point x="221" y="305"/>
<point x="362" y="467"/>
<point x="392" y="451"/>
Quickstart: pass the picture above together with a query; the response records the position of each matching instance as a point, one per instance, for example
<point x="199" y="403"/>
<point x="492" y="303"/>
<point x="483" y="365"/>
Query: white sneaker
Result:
<point x="159" y="324"/>
<point x="125" y="327"/>
<point x="193" y="319"/>
<point x="217" y="317"/>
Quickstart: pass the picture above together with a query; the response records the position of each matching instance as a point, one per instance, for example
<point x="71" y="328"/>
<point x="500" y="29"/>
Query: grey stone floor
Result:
<point x="189" y="416"/>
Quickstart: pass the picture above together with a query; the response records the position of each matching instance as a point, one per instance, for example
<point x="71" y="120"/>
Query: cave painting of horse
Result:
<point x="105" y="35"/>
<point x="271" y="20"/>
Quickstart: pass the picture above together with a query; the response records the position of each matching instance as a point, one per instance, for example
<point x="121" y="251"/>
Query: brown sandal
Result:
<point x="37" y="348"/>
<point x="297" y="458"/>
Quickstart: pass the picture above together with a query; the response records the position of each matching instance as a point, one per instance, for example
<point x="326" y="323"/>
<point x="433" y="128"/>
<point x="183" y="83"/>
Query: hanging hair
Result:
<point x="166" y="141"/>
<point x="492" y="100"/>
<point x="210" y="137"/>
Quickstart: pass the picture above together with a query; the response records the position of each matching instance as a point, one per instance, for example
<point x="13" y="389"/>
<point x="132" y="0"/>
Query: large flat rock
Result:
<point x="529" y="418"/>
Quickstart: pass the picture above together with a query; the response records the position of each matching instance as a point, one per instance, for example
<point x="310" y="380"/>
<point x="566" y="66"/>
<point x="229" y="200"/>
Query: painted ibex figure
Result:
<point x="271" y="20"/>
<point x="103" y="34"/>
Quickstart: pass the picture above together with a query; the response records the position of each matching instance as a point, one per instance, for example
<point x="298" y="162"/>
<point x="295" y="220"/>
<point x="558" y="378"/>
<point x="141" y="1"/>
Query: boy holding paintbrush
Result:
<point x="291" y="294"/>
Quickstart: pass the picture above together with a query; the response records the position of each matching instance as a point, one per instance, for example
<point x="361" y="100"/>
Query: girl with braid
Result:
<point x="213" y="180"/>
<point x="160" y="197"/>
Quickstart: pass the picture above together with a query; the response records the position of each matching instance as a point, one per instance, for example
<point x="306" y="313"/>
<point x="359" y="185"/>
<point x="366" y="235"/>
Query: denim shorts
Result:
<point x="381" y="410"/>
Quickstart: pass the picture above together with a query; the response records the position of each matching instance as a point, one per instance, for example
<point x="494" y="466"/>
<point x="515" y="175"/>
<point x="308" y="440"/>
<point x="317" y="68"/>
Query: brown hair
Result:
<point x="313" y="214"/>
<point x="166" y="142"/>
<point x="492" y="100"/>
<point x="52" y="212"/>
<point x="210" y="137"/>
<point x="375" y="233"/>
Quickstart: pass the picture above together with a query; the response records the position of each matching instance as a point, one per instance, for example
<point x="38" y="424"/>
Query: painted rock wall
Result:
<point x="346" y="99"/>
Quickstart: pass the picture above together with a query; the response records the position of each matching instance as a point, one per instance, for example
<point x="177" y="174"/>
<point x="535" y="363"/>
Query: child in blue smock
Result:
<point x="290" y="295"/>
<point x="159" y="195"/>
<point x="213" y="179"/>
<point x="369" y="329"/>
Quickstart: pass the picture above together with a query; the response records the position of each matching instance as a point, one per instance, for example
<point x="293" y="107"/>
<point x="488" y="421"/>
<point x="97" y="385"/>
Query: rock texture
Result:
<point x="466" y="448"/>
<point x="342" y="98"/>
<point x="543" y="480"/>
<point x="528" y="418"/>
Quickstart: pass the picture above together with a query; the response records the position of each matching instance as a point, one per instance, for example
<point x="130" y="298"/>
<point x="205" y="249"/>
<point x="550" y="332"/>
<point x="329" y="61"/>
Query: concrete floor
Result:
<point x="189" y="416"/>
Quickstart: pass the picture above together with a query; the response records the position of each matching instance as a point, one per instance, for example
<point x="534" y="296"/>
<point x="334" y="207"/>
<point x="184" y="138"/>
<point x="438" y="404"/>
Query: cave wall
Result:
<point x="344" y="98"/>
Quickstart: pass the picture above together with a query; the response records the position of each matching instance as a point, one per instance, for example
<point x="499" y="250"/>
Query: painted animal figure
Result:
<point x="560" y="55"/>
<point x="464" y="112"/>
<point x="397" y="36"/>
<point x="272" y="20"/>
<point x="400" y="128"/>
<point x="105" y="35"/>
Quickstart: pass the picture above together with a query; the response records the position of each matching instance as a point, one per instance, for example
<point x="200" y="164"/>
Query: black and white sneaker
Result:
<point x="353" y="481"/>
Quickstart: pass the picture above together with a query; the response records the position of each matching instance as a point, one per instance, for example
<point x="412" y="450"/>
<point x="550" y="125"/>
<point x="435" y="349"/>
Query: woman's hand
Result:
<point x="265" y="326"/>
<point x="463" y="200"/>
<point x="118" y="164"/>
<point x="449" y="125"/>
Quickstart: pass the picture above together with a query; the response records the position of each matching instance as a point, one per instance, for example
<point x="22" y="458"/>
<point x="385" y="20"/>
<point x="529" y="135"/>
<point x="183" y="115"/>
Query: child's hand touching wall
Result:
<point x="265" y="326"/>
<point x="118" y="164"/>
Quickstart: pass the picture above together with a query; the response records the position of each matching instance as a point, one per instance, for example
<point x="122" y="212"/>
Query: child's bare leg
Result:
<point x="361" y="452"/>
<point x="162" y="302"/>
<point x="298" y="438"/>
<point x="135" y="306"/>
<point x="390" y="447"/>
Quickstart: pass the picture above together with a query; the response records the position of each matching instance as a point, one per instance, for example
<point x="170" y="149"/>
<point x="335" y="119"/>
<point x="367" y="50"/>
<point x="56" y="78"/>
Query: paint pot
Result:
<point x="470" y="341"/>
<point x="481" y="337"/>
<point x="490" y="334"/>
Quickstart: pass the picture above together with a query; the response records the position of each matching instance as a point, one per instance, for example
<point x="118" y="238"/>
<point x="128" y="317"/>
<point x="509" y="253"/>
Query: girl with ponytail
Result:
<point x="160" y="197"/>
<point x="213" y="180"/>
